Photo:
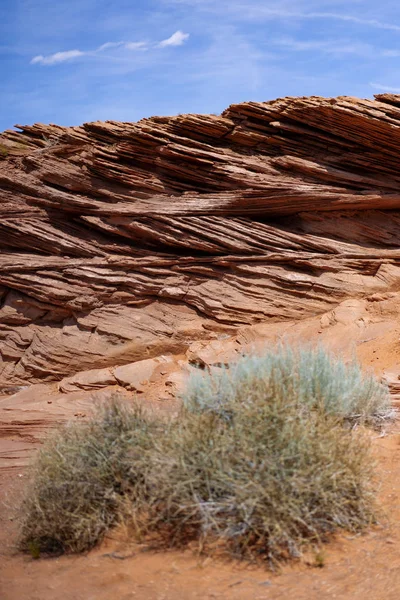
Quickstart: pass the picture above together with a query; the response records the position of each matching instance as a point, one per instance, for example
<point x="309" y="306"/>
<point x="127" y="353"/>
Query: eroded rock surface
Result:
<point x="124" y="241"/>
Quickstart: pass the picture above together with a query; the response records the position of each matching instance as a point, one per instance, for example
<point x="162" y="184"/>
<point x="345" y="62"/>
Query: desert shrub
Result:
<point x="310" y="377"/>
<point x="263" y="478"/>
<point x="256" y="463"/>
<point x="81" y="475"/>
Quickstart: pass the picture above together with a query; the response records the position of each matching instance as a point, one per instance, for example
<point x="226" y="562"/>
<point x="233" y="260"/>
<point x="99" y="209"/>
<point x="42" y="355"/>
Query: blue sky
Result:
<point x="72" y="61"/>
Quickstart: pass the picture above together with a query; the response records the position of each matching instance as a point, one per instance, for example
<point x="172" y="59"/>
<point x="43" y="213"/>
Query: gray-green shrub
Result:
<point x="311" y="377"/>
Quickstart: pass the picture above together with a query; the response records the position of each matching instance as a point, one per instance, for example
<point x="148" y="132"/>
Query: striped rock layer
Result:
<point x="124" y="241"/>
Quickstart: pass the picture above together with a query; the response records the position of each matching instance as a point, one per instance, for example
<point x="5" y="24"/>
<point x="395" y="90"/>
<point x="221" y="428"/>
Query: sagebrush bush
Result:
<point x="311" y="377"/>
<point x="264" y="478"/>
<point x="258" y="462"/>
<point x="81" y="475"/>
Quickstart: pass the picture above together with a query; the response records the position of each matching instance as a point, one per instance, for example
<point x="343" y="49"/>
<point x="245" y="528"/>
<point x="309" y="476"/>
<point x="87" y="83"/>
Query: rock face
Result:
<point x="124" y="241"/>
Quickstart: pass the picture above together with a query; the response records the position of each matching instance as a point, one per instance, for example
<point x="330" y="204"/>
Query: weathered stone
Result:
<point x="28" y="416"/>
<point x="136" y="376"/>
<point x="87" y="380"/>
<point x="123" y="241"/>
<point x="214" y="353"/>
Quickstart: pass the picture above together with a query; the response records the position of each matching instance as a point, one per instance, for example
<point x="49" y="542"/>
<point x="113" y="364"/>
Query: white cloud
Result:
<point x="109" y="45"/>
<point x="135" y="45"/>
<point x="385" y="88"/>
<point x="58" y="57"/>
<point x="127" y="45"/>
<point x="177" y="39"/>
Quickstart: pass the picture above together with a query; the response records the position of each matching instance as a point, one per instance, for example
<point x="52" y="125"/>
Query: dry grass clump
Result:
<point x="250" y="464"/>
<point x="80" y="477"/>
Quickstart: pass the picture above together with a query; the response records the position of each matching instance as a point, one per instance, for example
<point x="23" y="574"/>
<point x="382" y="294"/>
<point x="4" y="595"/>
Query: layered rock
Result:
<point x="124" y="241"/>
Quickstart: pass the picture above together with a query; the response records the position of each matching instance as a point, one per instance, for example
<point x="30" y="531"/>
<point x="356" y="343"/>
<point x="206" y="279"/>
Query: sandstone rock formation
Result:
<point x="124" y="241"/>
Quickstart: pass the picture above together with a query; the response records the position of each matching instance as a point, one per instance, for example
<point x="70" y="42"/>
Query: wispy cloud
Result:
<point x="109" y="45"/>
<point x="260" y="12"/>
<point x="333" y="47"/>
<point x="126" y="45"/>
<point x="385" y="88"/>
<point x="296" y="10"/>
<point x="391" y="53"/>
<point x="350" y="18"/>
<point x="136" y="45"/>
<point x="58" y="57"/>
<point x="176" y="39"/>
